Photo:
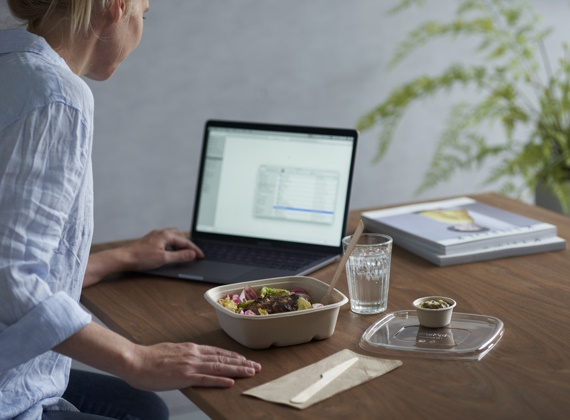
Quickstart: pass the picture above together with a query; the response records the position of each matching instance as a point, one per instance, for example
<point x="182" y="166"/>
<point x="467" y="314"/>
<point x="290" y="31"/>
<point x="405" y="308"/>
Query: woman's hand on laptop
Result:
<point x="161" y="247"/>
<point x="157" y="248"/>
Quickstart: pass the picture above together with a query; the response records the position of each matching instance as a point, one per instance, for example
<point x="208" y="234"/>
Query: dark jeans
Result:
<point x="101" y="397"/>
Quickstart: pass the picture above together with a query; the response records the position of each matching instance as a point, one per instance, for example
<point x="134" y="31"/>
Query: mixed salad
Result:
<point x="268" y="301"/>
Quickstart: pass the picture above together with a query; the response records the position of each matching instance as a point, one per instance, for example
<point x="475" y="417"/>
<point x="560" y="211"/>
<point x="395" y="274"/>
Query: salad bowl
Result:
<point x="279" y="329"/>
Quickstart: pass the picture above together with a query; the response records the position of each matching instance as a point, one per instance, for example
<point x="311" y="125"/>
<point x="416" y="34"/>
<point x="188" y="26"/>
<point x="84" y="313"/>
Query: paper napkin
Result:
<point x="281" y="390"/>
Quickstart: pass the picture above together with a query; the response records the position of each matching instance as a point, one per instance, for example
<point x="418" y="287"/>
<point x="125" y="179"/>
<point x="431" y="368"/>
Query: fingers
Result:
<point x="211" y="350"/>
<point x="216" y="358"/>
<point x="170" y="366"/>
<point x="227" y="366"/>
<point x="179" y="256"/>
<point x="213" y="361"/>
<point x="221" y="373"/>
<point x="221" y="369"/>
<point x="175" y="239"/>
<point x="158" y="248"/>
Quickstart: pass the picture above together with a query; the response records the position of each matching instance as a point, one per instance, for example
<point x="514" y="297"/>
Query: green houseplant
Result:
<point x="517" y="87"/>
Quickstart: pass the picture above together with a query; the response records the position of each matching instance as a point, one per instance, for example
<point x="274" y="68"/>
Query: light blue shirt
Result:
<point x="46" y="220"/>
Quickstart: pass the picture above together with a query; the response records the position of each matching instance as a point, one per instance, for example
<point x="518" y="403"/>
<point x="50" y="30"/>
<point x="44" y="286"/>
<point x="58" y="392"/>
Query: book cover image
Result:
<point x="455" y="221"/>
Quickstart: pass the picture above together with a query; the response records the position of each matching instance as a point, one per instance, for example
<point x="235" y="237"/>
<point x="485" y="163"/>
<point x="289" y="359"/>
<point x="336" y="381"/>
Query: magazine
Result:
<point x="455" y="225"/>
<point x="507" y="249"/>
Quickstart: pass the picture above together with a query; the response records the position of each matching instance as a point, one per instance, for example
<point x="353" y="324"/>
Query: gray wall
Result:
<point x="317" y="62"/>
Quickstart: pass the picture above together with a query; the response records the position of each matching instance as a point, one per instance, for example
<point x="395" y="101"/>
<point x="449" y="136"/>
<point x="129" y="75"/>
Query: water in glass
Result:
<point x="368" y="274"/>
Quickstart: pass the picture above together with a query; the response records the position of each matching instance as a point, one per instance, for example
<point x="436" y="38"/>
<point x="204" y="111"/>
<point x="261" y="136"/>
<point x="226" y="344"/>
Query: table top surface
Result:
<point x="526" y="375"/>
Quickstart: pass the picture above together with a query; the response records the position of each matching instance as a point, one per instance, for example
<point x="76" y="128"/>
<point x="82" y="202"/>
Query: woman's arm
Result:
<point x="157" y="248"/>
<point x="159" y="367"/>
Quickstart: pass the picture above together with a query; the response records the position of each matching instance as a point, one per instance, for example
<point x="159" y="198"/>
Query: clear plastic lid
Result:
<point x="468" y="337"/>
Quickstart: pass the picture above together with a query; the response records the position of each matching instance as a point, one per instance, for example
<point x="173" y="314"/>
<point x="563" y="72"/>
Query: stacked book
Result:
<point x="462" y="230"/>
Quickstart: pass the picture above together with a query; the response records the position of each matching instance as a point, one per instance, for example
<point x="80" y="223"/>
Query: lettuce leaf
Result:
<point x="268" y="291"/>
<point x="303" y="304"/>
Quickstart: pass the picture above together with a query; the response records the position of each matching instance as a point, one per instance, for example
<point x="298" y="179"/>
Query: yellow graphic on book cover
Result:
<point x="459" y="219"/>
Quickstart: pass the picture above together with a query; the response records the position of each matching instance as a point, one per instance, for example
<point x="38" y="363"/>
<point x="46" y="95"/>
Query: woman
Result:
<point x="46" y="123"/>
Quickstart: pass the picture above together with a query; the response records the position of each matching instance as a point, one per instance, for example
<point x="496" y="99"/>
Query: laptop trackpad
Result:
<point x="213" y="271"/>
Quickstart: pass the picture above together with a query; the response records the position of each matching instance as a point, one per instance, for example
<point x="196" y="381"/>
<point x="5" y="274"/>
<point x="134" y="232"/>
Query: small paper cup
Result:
<point x="434" y="318"/>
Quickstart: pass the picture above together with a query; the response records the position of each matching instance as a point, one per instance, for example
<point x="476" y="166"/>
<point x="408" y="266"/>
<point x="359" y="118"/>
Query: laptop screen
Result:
<point x="275" y="184"/>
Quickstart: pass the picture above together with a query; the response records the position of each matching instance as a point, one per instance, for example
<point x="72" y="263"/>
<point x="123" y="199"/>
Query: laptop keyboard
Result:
<point x="260" y="257"/>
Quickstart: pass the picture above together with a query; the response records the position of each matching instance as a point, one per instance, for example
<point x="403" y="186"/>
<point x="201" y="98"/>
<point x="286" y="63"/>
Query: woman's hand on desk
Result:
<point x="179" y="365"/>
<point x="159" y="367"/>
<point x="152" y="251"/>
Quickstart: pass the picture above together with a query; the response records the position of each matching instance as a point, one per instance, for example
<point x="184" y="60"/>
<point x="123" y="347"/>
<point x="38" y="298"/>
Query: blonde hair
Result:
<point x="36" y="12"/>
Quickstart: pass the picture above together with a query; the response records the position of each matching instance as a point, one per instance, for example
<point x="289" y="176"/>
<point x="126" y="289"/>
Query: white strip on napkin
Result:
<point x="281" y="390"/>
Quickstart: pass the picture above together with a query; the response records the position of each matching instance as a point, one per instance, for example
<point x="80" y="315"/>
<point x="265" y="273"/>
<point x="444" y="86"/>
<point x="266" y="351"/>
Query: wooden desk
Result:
<point x="526" y="376"/>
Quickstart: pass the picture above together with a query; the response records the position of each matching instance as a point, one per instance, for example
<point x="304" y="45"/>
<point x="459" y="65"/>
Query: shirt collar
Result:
<point x="20" y="40"/>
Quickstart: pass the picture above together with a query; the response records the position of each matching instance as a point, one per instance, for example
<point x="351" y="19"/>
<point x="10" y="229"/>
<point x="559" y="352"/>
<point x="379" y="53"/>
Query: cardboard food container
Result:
<point x="282" y="329"/>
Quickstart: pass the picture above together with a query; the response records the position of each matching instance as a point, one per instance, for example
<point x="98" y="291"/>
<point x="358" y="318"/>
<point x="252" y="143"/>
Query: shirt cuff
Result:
<point x="50" y="322"/>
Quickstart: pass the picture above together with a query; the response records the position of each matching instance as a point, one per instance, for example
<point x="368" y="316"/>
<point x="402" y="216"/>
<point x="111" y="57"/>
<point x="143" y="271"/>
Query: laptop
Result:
<point x="271" y="201"/>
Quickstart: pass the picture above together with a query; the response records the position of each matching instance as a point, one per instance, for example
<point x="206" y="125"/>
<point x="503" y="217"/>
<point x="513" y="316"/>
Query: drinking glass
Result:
<point x="368" y="272"/>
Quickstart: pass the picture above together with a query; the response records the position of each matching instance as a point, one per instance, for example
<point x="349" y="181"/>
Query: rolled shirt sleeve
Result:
<point x="45" y="326"/>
